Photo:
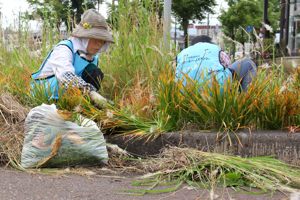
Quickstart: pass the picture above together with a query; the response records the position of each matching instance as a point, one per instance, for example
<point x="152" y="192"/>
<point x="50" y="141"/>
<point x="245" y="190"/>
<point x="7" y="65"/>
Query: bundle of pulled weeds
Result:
<point x="12" y="118"/>
<point x="211" y="168"/>
<point x="120" y="161"/>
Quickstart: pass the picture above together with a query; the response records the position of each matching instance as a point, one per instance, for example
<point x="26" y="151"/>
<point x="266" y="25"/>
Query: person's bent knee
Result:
<point x="247" y="59"/>
<point x="249" y="63"/>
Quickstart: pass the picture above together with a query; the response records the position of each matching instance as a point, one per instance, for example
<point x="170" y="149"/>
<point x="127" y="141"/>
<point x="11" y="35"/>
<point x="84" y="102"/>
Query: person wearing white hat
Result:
<point x="73" y="62"/>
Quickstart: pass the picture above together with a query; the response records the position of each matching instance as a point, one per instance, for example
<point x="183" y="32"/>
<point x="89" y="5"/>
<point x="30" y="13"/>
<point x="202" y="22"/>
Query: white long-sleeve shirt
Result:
<point x="60" y="63"/>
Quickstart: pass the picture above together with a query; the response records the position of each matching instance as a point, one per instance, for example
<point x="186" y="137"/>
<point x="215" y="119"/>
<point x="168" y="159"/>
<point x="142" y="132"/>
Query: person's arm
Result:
<point x="61" y="63"/>
<point x="224" y="59"/>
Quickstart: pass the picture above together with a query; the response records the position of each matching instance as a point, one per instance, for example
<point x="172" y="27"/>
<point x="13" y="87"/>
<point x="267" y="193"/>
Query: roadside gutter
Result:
<point x="285" y="147"/>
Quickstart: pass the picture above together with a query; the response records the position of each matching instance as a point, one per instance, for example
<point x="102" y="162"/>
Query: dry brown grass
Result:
<point x="141" y="100"/>
<point x="12" y="118"/>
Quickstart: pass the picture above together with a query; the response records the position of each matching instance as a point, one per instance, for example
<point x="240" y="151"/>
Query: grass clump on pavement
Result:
<point x="175" y="166"/>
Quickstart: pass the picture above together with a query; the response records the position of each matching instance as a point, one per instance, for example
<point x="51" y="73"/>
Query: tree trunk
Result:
<point x="58" y="27"/>
<point x="185" y="23"/>
<point x="266" y="33"/>
<point x="233" y="46"/>
<point x="243" y="43"/>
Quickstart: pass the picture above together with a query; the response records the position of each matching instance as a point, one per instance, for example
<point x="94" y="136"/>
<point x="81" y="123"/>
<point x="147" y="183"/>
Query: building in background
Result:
<point x="213" y="31"/>
<point x="194" y="30"/>
<point x="290" y="27"/>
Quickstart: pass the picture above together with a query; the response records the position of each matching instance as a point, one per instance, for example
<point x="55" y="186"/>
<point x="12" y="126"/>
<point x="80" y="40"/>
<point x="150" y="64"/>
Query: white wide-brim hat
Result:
<point x="92" y="26"/>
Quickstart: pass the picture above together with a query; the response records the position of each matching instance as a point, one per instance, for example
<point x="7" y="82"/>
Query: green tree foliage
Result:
<point x="54" y="12"/>
<point x="77" y="7"/>
<point x="185" y="10"/>
<point x="243" y="13"/>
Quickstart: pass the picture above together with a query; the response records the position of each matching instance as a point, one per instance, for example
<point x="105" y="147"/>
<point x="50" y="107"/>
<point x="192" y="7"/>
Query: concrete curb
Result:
<point x="258" y="143"/>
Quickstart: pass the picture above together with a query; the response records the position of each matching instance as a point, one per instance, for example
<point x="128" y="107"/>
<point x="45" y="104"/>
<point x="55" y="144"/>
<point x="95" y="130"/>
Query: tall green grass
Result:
<point x="138" y="56"/>
<point x="272" y="102"/>
<point x="140" y="79"/>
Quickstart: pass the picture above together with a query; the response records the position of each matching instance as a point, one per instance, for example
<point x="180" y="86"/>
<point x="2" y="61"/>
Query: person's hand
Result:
<point x="98" y="100"/>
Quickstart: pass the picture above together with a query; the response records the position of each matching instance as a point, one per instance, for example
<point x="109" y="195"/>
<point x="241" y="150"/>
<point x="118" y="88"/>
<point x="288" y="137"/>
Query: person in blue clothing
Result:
<point x="74" y="62"/>
<point x="204" y="61"/>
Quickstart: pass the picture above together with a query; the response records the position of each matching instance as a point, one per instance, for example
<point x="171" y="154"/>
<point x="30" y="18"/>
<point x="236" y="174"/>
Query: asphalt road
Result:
<point x="17" y="185"/>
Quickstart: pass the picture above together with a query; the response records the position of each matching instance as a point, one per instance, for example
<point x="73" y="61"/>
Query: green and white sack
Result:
<point x="81" y="141"/>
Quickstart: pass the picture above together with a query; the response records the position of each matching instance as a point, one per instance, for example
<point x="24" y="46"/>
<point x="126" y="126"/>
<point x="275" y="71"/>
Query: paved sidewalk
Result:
<point x="17" y="185"/>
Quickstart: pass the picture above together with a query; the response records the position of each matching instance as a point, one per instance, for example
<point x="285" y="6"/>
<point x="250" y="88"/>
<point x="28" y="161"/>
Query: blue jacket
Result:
<point x="79" y="64"/>
<point x="201" y="62"/>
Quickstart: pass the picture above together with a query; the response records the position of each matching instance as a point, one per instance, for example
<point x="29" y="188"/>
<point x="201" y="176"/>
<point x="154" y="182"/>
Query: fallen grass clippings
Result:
<point x="209" y="170"/>
<point x="12" y="129"/>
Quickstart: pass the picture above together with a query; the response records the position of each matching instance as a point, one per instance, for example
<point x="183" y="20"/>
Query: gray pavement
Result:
<point x="17" y="185"/>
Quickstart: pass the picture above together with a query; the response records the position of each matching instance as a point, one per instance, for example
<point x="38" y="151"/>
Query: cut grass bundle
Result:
<point x="200" y="169"/>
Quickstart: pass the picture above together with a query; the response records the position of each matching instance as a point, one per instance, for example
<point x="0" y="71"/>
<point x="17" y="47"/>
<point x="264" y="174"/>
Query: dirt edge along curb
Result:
<point x="258" y="143"/>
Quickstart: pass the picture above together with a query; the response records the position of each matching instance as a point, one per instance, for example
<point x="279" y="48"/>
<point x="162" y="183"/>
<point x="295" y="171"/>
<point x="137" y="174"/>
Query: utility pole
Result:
<point x="167" y="20"/>
<point x="282" y="13"/>
<point x="20" y="20"/>
<point x="207" y="32"/>
<point x="175" y="34"/>
<point x="19" y="38"/>
<point x="287" y="16"/>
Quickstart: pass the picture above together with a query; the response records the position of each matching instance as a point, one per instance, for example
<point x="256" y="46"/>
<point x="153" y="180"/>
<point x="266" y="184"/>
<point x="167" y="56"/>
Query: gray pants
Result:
<point x="245" y="71"/>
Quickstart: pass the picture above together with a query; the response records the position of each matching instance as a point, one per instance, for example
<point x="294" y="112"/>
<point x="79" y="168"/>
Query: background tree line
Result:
<point x="239" y="15"/>
<point x="55" y="12"/>
<point x="243" y="13"/>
